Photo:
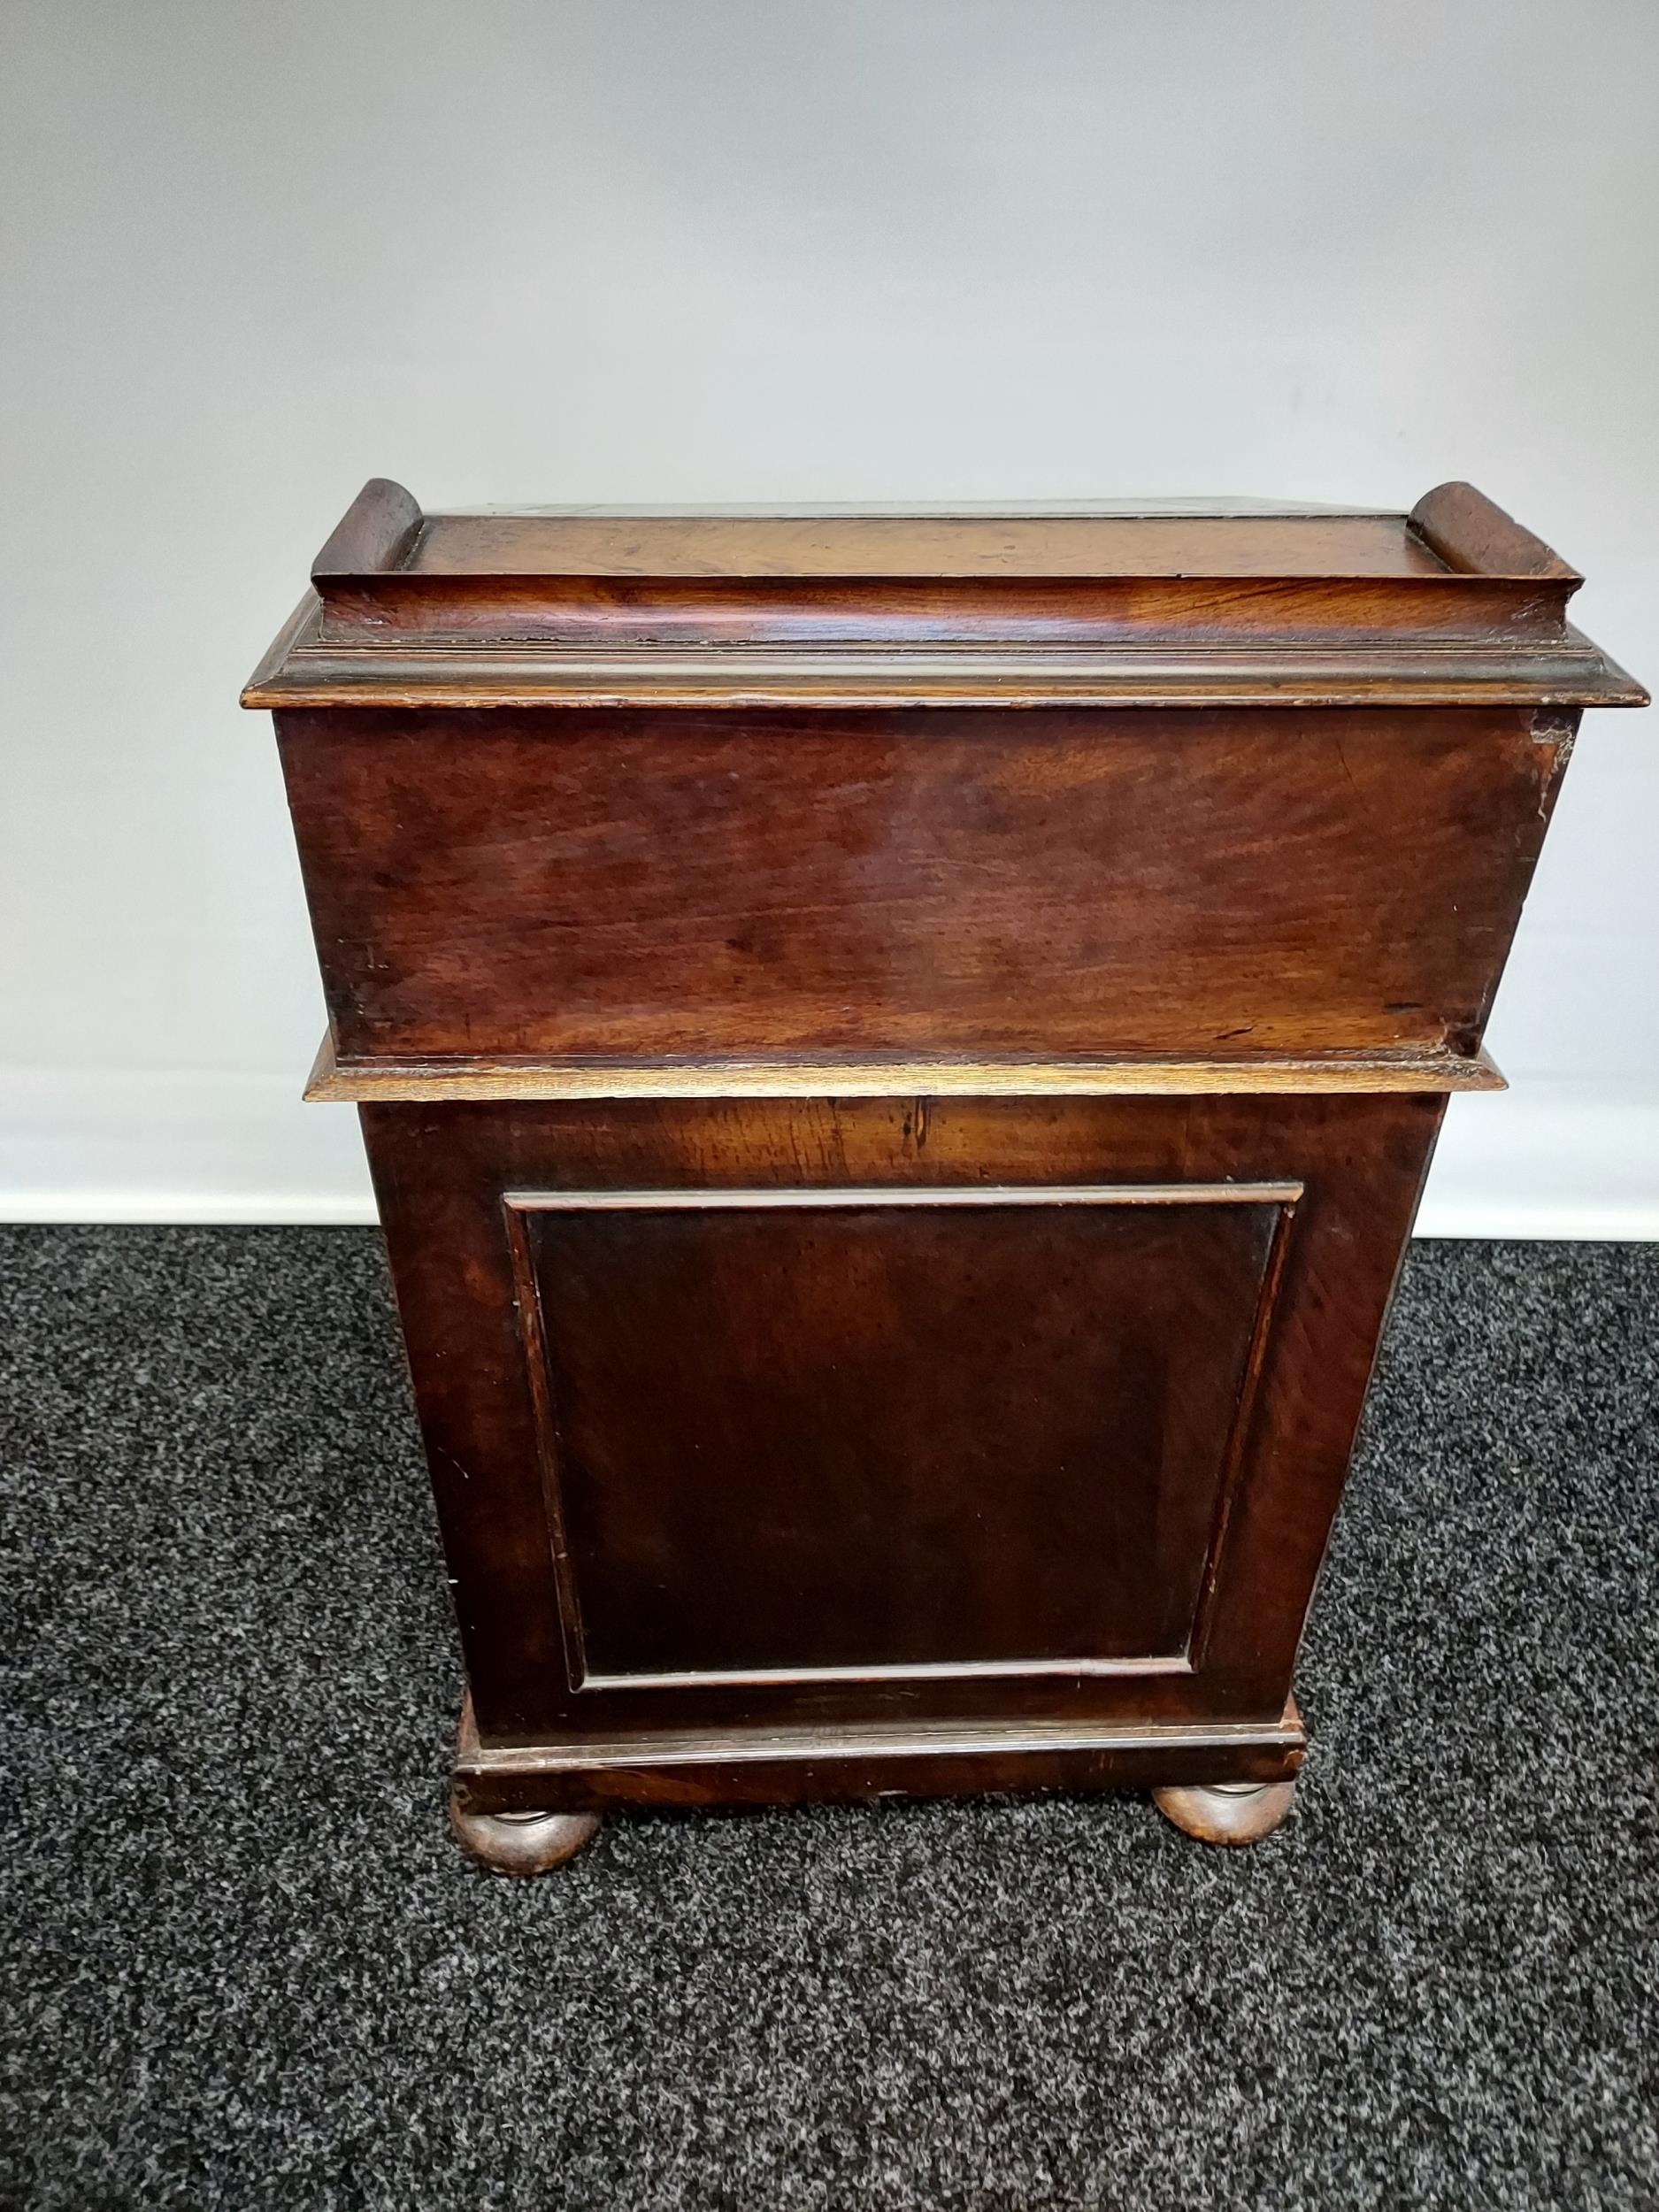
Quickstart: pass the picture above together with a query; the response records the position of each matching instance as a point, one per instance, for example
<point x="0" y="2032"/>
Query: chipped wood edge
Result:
<point x="433" y="1082"/>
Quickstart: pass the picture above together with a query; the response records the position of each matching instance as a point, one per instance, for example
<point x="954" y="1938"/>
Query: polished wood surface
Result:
<point x="520" y="1843"/>
<point x="869" y="1761"/>
<point x="388" y="1076"/>
<point x="1455" y="603"/>
<point x="376" y="533"/>
<point x="565" y="886"/>
<point x="898" y="1056"/>
<point x="953" y="1428"/>
<point x="840" y="546"/>
<point x="304" y="670"/>
<point x="1227" y="1812"/>
<point x="1467" y="531"/>
<point x="497" y="1336"/>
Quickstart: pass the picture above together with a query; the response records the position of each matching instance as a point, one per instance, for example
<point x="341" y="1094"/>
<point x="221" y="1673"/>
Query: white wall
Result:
<point x="757" y="250"/>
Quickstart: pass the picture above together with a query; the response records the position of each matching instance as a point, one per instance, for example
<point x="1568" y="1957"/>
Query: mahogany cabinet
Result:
<point x="898" y="1054"/>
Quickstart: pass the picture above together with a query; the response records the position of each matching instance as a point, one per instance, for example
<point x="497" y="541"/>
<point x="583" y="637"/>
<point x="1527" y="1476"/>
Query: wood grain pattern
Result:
<point x="1471" y="534"/>
<point x="416" y="1081"/>
<point x="382" y="524"/>
<point x="1229" y="1812"/>
<point x="1452" y="604"/>
<point x="1437" y="609"/>
<point x="795" y="1766"/>
<point x="898" y="1055"/>
<point x="915" y="887"/>
<point x="843" y="546"/>
<point x="443" y="1171"/>
<point x="862" y="1436"/>
<point x="302" y="671"/>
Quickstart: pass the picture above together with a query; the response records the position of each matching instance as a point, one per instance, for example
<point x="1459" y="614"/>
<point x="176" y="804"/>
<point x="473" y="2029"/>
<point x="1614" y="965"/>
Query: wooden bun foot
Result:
<point x="522" y="1843"/>
<point x="1227" y="1812"/>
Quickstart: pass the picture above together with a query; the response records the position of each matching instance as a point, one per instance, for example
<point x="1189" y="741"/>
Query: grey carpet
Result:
<point x="250" y="1970"/>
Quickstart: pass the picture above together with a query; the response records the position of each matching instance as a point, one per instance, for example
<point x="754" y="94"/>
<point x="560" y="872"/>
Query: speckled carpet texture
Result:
<point x="248" y="1968"/>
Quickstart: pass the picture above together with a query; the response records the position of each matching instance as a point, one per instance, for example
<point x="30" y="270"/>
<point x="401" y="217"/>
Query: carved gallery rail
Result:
<point x="898" y="1055"/>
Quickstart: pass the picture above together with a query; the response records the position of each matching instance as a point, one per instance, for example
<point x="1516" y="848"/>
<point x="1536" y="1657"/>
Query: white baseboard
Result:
<point x="1548" y="1159"/>
<point x="182" y="1147"/>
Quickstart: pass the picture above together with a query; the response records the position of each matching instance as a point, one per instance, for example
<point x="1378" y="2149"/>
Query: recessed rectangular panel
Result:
<point x="798" y="1432"/>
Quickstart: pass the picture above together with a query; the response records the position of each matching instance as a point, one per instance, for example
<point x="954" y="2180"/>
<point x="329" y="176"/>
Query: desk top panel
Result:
<point x="924" y="546"/>
<point x="1145" y="602"/>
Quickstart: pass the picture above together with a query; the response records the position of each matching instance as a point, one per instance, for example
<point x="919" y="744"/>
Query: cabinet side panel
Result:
<point x="1128" y="1441"/>
<point x="1053" y="882"/>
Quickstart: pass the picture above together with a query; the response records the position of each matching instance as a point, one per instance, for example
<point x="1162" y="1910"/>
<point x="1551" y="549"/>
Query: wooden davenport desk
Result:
<point x="898" y="1055"/>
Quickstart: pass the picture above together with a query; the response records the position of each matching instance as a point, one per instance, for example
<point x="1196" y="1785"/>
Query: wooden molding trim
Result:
<point x="732" y="1766"/>
<point x="677" y="1747"/>
<point x="815" y="1197"/>
<point x="1283" y="1195"/>
<point x="300" y="671"/>
<point x="882" y="1740"/>
<point x="433" y="1082"/>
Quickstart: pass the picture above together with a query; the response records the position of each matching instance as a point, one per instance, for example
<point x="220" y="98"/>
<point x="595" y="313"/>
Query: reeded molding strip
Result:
<point x="431" y="1081"/>
<point x="298" y="672"/>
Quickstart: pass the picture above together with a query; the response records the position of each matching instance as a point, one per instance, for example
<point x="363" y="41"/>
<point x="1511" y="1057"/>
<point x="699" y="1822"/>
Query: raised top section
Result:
<point x="1143" y="603"/>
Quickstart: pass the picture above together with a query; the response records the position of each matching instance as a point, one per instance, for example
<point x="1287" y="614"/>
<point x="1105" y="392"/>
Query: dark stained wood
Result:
<point x="953" y="1433"/>
<point x="389" y="1075"/>
<point x="898" y="1055"/>
<point x="1227" y="1812"/>
<point x="868" y="1764"/>
<point x="598" y="668"/>
<point x="1262" y="885"/>
<point x="1465" y="530"/>
<point x="839" y="547"/>
<point x="1440" y="609"/>
<point x="377" y="531"/>
<point x="870" y="1761"/>
<point x="520" y="1843"/>
<point x="487" y="1385"/>
<point x="1455" y="603"/>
